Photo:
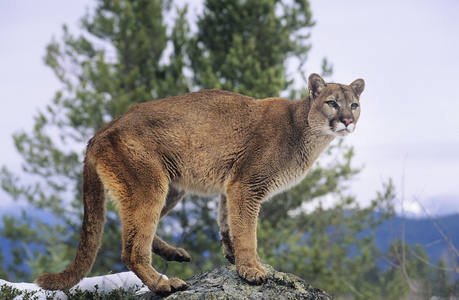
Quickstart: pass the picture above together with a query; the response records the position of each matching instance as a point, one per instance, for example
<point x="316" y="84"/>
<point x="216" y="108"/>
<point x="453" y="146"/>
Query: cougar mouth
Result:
<point x="342" y="130"/>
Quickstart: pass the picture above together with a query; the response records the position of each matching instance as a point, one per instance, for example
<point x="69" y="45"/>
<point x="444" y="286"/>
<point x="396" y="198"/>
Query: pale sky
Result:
<point x="406" y="50"/>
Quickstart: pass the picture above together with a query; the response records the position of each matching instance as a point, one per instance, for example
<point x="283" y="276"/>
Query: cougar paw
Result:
<point x="253" y="273"/>
<point x="167" y="287"/>
<point x="182" y="255"/>
<point x="175" y="254"/>
<point x="178" y="284"/>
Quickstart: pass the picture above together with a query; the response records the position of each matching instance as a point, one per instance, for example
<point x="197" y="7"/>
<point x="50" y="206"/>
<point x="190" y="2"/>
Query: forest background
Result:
<point x="135" y="51"/>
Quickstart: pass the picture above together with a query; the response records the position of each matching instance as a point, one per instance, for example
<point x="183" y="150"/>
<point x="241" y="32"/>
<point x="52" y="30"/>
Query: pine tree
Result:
<point x="243" y="46"/>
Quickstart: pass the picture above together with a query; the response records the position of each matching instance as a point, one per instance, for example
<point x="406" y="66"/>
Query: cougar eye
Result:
<point x="354" y="105"/>
<point x="332" y="103"/>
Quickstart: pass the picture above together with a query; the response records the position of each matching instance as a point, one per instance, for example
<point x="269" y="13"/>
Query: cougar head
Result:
<point x="335" y="108"/>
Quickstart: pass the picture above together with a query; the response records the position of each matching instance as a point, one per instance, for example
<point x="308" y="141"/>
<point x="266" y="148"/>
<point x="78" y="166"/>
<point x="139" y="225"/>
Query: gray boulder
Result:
<point x="224" y="283"/>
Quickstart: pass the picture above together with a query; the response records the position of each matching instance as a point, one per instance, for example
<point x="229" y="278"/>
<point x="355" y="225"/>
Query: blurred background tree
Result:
<point x="244" y="46"/>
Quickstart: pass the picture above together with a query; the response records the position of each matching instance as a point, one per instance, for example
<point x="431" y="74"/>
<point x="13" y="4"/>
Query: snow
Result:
<point x="105" y="283"/>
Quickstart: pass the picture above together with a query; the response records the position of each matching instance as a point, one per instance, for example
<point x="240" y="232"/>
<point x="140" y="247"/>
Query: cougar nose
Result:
<point x="347" y="121"/>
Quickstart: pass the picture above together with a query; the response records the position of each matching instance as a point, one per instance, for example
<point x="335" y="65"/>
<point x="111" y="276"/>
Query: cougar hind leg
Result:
<point x="225" y="236"/>
<point x="168" y="252"/>
<point x="160" y="247"/>
<point x="141" y="199"/>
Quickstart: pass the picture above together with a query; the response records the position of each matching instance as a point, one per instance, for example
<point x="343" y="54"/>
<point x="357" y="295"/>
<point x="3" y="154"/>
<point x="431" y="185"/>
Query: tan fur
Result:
<point x="208" y="142"/>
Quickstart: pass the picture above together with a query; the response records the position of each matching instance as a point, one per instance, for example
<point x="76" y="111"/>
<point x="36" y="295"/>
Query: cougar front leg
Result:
<point x="225" y="237"/>
<point x="243" y="208"/>
<point x="160" y="247"/>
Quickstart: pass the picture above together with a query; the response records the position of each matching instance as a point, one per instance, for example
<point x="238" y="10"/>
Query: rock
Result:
<point x="224" y="283"/>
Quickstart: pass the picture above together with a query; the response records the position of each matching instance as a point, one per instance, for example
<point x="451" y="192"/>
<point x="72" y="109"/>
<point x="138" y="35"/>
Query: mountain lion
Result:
<point x="208" y="142"/>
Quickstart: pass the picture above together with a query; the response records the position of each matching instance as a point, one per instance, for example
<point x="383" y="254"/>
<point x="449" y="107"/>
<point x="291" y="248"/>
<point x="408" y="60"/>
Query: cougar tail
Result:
<point x="90" y="236"/>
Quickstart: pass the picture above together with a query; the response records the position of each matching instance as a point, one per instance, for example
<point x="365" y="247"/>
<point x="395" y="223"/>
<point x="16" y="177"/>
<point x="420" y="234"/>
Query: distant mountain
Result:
<point x="420" y="231"/>
<point x="442" y="205"/>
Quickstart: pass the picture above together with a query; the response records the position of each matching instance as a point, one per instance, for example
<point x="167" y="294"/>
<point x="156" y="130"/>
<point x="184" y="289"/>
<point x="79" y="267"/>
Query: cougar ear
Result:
<point x="315" y="85"/>
<point x="358" y="86"/>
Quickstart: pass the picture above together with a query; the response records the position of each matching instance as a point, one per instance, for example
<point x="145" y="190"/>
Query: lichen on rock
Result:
<point x="224" y="283"/>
